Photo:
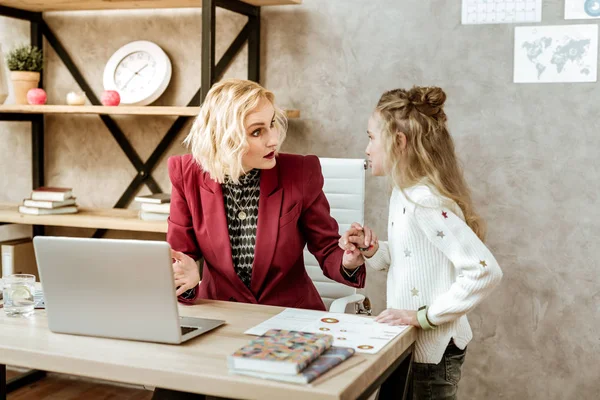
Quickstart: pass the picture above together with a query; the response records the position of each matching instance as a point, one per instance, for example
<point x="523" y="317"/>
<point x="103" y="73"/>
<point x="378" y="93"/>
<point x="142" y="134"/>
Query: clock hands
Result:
<point x="136" y="73"/>
<point x="129" y="80"/>
<point x="140" y="70"/>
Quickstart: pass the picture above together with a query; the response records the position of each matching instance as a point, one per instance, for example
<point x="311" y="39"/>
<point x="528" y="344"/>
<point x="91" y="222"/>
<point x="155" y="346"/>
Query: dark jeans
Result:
<point x="429" y="381"/>
<point x="439" y="381"/>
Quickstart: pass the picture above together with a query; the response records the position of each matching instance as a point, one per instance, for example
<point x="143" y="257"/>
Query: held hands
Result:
<point x="352" y="259"/>
<point x="394" y="317"/>
<point x="185" y="272"/>
<point x="360" y="238"/>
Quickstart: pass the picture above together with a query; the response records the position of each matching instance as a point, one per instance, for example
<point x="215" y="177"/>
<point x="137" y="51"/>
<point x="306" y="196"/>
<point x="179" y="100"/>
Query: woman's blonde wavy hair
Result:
<point x="419" y="114"/>
<point x="218" y="138"/>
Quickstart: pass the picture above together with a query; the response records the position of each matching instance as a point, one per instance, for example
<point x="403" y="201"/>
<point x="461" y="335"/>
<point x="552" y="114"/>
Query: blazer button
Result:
<point x="392" y="223"/>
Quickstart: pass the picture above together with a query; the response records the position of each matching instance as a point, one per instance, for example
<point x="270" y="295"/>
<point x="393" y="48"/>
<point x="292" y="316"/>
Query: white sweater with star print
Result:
<point x="434" y="260"/>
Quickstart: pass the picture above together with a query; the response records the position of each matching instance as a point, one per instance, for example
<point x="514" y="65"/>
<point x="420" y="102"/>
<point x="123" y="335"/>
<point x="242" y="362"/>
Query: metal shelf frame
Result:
<point x="211" y="72"/>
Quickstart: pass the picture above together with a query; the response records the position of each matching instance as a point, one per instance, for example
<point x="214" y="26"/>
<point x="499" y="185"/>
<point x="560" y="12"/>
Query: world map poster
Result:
<point x="560" y="53"/>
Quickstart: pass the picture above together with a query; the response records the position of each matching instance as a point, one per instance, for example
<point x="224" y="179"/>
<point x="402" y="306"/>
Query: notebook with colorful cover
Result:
<point x="280" y="351"/>
<point x="325" y="362"/>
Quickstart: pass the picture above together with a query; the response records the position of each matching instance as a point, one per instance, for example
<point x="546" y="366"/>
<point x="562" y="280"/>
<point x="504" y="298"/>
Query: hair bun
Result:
<point x="435" y="96"/>
<point x="429" y="100"/>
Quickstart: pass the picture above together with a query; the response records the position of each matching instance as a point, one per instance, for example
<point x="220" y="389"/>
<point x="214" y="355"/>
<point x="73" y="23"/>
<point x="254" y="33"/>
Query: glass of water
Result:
<point x="18" y="292"/>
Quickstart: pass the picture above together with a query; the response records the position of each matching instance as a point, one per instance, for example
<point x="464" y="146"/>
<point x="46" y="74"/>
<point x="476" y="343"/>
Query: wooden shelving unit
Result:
<point x="120" y="110"/>
<point x="74" y="5"/>
<point x="121" y="218"/>
<point x="96" y="218"/>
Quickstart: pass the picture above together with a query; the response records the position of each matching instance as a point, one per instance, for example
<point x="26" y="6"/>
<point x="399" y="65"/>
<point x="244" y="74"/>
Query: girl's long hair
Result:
<point x="418" y="113"/>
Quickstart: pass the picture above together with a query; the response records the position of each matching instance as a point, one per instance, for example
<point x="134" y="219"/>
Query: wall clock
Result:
<point x="140" y="71"/>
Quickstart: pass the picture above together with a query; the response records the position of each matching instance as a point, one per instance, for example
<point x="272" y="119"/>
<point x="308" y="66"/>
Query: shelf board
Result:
<point x="97" y="218"/>
<point x="119" y="110"/>
<point x="76" y="5"/>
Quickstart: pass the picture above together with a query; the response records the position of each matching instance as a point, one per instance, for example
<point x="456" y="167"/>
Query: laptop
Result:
<point x="113" y="288"/>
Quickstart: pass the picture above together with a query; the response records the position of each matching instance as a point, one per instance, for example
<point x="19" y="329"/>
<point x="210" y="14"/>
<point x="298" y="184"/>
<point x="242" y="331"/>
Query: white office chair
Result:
<point x="344" y="188"/>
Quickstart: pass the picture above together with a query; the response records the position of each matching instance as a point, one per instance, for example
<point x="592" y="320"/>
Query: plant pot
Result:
<point x="23" y="81"/>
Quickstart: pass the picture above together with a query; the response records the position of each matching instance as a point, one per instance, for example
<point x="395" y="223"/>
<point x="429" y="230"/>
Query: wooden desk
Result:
<point x="198" y="366"/>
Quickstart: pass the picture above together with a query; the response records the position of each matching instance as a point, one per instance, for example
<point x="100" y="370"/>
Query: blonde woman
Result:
<point x="439" y="267"/>
<point x="248" y="210"/>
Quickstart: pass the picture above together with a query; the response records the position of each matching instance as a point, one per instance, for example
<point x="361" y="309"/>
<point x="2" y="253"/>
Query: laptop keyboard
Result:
<point x="187" y="329"/>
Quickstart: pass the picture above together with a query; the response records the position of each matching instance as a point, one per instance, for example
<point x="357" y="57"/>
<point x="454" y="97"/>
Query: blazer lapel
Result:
<point x="215" y="217"/>
<point x="269" y="209"/>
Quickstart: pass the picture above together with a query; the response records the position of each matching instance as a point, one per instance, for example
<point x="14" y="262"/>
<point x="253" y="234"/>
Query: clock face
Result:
<point x="134" y="75"/>
<point x="140" y="71"/>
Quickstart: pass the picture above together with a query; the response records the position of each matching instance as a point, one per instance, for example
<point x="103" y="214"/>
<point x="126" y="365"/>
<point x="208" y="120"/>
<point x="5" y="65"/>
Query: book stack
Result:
<point x="154" y="207"/>
<point x="288" y="356"/>
<point x="49" y="200"/>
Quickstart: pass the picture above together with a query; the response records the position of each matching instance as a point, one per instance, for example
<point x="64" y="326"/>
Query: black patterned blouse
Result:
<point x="241" y="205"/>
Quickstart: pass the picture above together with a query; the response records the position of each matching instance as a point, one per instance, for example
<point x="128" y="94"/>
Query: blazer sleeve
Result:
<point x="320" y="229"/>
<point x="180" y="232"/>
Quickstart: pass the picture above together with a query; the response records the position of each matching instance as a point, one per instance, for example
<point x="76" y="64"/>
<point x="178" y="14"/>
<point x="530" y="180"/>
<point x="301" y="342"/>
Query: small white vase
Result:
<point x="3" y="78"/>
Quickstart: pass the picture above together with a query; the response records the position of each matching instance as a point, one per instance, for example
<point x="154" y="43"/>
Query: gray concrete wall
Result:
<point x="528" y="153"/>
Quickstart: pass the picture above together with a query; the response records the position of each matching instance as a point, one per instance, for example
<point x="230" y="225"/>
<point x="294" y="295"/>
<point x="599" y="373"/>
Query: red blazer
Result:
<point x="292" y="212"/>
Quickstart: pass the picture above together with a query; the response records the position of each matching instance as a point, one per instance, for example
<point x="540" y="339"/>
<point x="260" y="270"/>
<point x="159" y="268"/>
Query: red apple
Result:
<point x="110" y="98"/>
<point x="36" y="96"/>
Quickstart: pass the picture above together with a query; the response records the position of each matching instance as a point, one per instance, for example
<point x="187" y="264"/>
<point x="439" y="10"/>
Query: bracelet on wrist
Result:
<point x="423" y="320"/>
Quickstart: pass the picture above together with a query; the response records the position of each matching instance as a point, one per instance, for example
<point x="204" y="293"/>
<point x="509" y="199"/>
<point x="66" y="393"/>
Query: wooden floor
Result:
<point x="62" y="387"/>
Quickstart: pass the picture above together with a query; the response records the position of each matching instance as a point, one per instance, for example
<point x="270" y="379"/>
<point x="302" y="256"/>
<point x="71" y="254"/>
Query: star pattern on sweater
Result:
<point x="407" y="253"/>
<point x="428" y="233"/>
<point x="483" y="263"/>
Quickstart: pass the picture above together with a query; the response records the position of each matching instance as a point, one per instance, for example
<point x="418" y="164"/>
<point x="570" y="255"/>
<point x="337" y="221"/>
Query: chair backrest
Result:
<point x="344" y="188"/>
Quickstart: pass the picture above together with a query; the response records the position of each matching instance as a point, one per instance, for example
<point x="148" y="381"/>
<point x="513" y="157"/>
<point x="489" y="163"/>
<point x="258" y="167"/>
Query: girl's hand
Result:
<point x="393" y="316"/>
<point x="185" y="272"/>
<point x="352" y="259"/>
<point x="361" y="237"/>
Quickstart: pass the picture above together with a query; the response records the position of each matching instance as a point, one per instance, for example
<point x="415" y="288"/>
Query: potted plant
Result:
<point x="25" y="64"/>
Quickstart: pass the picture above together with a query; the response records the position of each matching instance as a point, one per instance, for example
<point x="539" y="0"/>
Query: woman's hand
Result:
<point x="393" y="316"/>
<point x="361" y="237"/>
<point x="185" y="272"/>
<point x="352" y="259"/>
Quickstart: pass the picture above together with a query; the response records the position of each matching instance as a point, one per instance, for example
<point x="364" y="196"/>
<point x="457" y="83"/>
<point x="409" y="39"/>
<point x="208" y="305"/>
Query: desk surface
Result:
<point x="196" y="366"/>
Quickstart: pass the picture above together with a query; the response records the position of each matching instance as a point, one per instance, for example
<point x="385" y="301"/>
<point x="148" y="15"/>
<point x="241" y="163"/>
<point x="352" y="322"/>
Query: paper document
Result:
<point x="501" y="11"/>
<point x="582" y="9"/>
<point x="362" y="334"/>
